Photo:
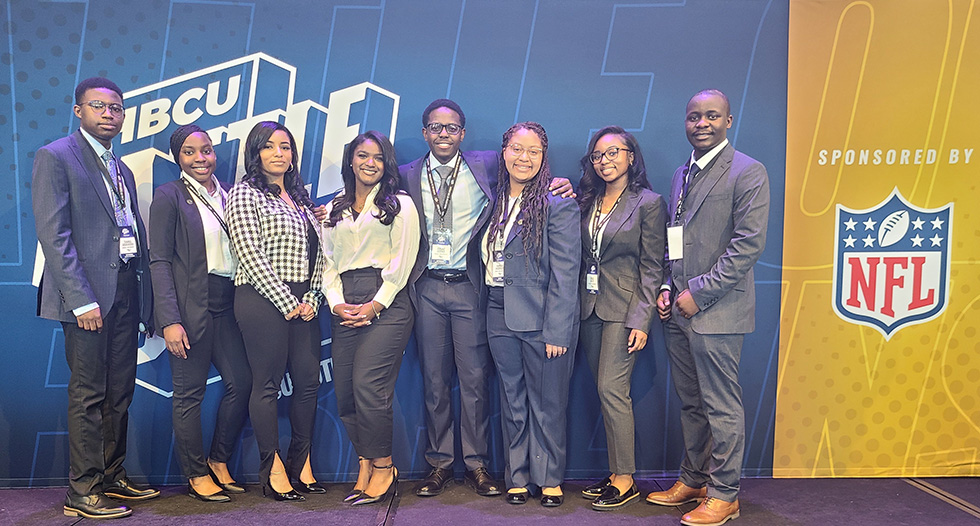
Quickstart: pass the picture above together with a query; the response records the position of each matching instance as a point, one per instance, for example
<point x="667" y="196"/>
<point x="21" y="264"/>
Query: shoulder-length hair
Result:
<point x="534" y="197"/>
<point x="255" y="176"/>
<point x="385" y="200"/>
<point x="592" y="187"/>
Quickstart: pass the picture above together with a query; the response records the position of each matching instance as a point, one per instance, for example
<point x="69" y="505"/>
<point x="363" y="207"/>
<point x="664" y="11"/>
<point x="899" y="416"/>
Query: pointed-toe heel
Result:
<point x="290" y="495"/>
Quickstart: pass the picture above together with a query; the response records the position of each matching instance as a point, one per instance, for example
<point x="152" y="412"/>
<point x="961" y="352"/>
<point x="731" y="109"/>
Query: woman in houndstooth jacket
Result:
<point x="276" y="238"/>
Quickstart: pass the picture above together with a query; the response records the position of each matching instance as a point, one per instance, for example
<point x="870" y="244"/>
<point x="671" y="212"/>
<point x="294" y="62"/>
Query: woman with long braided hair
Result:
<point x="531" y="251"/>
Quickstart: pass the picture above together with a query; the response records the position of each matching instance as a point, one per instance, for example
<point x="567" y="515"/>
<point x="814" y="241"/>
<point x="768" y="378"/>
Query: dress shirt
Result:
<point x="364" y="242"/>
<point x="128" y="209"/>
<point x="217" y="245"/>
<point x="271" y="241"/>
<point x="706" y="159"/>
<point x="467" y="203"/>
<point x="514" y="207"/>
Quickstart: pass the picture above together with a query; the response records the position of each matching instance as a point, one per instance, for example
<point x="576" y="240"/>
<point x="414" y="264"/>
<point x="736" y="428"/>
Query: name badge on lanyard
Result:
<point x="497" y="263"/>
<point x="442" y="245"/>
<point x="592" y="279"/>
<point x="128" y="247"/>
<point x="675" y="241"/>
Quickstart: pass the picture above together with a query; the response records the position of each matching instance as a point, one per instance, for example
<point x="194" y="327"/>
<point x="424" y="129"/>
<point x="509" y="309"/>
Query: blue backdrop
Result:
<point x="329" y="70"/>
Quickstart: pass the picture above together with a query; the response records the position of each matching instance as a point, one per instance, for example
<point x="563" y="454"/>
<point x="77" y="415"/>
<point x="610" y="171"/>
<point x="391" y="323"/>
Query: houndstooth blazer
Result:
<point x="270" y="240"/>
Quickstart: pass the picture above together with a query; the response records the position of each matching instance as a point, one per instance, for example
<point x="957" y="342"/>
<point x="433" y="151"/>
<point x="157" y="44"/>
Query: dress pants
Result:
<point x="606" y="348"/>
<point x="533" y="401"/>
<point x="366" y="361"/>
<point x="270" y="343"/>
<point x="704" y="368"/>
<point x="451" y="331"/>
<point x="100" y="389"/>
<point x="222" y="345"/>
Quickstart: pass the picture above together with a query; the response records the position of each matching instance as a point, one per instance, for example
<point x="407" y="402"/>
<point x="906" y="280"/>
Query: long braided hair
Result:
<point x="533" y="199"/>
<point x="292" y="181"/>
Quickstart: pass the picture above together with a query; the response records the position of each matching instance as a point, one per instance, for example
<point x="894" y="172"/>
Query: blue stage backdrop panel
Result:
<point x="330" y="70"/>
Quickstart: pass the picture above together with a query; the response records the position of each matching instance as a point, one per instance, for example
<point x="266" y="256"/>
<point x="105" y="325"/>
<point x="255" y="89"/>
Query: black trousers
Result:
<point x="366" y="361"/>
<point x="100" y="389"/>
<point x="271" y="344"/>
<point x="222" y="345"/>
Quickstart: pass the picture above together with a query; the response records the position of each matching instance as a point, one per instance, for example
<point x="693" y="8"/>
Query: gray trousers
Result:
<point x="704" y="368"/>
<point x="605" y="344"/>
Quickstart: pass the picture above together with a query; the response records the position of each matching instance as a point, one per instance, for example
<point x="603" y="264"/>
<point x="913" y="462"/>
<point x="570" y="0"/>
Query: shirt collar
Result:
<point x="200" y="187"/>
<point x="433" y="162"/>
<point x="708" y="157"/>
<point x="96" y="145"/>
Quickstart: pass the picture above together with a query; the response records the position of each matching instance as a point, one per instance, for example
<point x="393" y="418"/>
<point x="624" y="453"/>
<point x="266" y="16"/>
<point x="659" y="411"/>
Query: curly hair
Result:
<point x="385" y="200"/>
<point x="534" y="197"/>
<point x="592" y="187"/>
<point x="255" y="176"/>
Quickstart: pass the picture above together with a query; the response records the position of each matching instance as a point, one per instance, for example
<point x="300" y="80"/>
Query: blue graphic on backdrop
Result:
<point x="891" y="263"/>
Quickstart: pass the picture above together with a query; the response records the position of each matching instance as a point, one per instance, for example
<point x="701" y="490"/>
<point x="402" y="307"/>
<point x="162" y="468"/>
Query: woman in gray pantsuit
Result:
<point x="371" y="239"/>
<point x="623" y="232"/>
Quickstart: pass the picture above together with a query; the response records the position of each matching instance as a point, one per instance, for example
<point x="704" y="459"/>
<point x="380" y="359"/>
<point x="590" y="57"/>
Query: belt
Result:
<point x="446" y="275"/>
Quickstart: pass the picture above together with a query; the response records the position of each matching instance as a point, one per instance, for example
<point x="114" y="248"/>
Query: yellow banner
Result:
<point x="879" y="363"/>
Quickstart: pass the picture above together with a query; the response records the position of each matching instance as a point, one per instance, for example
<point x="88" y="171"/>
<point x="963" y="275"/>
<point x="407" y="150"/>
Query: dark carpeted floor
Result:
<point x="769" y="502"/>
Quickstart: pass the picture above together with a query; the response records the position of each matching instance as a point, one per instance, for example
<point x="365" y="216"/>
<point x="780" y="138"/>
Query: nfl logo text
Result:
<point x="891" y="263"/>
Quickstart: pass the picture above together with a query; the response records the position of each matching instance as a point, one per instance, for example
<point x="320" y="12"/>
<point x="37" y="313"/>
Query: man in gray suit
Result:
<point x="94" y="282"/>
<point x="719" y="207"/>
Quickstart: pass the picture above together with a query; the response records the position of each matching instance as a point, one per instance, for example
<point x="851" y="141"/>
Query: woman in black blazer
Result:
<point x="623" y="232"/>
<point x="191" y="266"/>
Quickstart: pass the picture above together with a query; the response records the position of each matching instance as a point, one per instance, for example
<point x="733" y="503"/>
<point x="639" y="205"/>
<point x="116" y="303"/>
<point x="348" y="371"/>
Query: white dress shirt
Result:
<point x="466" y="206"/>
<point x="514" y="207"/>
<point x="217" y="245"/>
<point x="365" y="243"/>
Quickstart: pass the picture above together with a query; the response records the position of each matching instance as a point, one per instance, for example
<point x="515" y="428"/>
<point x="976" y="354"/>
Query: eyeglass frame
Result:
<point x="100" y="106"/>
<point x="517" y="150"/>
<point x="429" y="128"/>
<point x="596" y="157"/>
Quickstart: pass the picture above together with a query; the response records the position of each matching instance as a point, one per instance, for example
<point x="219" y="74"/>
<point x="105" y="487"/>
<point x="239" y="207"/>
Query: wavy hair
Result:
<point x="592" y="187"/>
<point x="255" y="176"/>
<point x="385" y="200"/>
<point x="534" y="197"/>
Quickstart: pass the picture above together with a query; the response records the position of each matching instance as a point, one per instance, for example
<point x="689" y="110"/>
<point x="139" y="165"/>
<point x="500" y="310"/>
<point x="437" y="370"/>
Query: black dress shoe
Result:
<point x="392" y="490"/>
<point x="482" y="483"/>
<point x="290" y="495"/>
<point x="593" y="491"/>
<point x="517" y="498"/>
<point x="552" y="501"/>
<point x="611" y="498"/>
<point x="230" y="487"/>
<point x="94" y="507"/>
<point x="217" y="497"/>
<point x="312" y="487"/>
<point x="126" y="490"/>
<point x="434" y="483"/>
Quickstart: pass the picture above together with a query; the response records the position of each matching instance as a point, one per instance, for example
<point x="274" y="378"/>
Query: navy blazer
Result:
<point x="178" y="259"/>
<point x="76" y="227"/>
<point x="483" y="165"/>
<point x="631" y="260"/>
<point x="725" y="219"/>
<point x="544" y="296"/>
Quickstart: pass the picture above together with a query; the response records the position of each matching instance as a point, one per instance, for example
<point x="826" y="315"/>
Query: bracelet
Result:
<point x="376" y="315"/>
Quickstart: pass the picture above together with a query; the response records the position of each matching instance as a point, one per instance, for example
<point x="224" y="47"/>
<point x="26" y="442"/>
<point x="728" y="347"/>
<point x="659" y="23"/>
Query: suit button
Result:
<point x="509" y="255"/>
<point x="509" y="282"/>
<point x="112" y="265"/>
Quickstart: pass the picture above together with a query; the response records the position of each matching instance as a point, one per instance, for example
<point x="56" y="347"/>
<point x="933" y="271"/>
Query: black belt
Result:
<point x="446" y="275"/>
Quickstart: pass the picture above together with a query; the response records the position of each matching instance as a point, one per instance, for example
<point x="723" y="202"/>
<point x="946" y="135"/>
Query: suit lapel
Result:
<point x="90" y="164"/>
<point x="414" y="184"/>
<point x="619" y="216"/>
<point x="719" y="167"/>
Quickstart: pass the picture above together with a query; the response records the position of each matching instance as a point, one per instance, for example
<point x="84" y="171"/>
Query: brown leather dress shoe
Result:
<point x="482" y="483"/>
<point x="678" y="494"/>
<point x="711" y="512"/>
<point x="434" y="483"/>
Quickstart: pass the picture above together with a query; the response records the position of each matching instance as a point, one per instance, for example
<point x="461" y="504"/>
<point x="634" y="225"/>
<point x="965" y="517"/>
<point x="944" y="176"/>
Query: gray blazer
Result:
<point x="76" y="227"/>
<point x="725" y="218"/>
<point x="545" y="297"/>
<point x="483" y="165"/>
<point x="631" y="256"/>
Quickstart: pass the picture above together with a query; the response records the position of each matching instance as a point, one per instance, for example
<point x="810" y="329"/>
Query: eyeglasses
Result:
<point x="517" y="150"/>
<point x="611" y="154"/>
<point x="99" y="106"/>
<point x="435" y="128"/>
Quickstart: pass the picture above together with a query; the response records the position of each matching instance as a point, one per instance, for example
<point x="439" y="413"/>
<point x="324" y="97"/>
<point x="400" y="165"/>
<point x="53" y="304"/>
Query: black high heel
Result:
<point x="392" y="489"/>
<point x="355" y="493"/>
<point x="231" y="487"/>
<point x="311" y="487"/>
<point x="290" y="495"/>
<point x="215" y="497"/>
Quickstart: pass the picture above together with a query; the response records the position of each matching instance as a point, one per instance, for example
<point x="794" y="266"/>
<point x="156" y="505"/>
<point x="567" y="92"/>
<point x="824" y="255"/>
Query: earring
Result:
<point x="290" y="167"/>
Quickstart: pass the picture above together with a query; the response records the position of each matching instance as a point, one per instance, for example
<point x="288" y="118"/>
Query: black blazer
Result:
<point x="178" y="260"/>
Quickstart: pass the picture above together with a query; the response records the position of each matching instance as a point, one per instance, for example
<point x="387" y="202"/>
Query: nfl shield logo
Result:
<point x="891" y="263"/>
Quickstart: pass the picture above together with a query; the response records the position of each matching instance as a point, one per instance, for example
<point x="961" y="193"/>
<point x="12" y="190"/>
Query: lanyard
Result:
<point x="195" y="192"/>
<point x="115" y="181"/>
<point x="502" y="224"/>
<point x="597" y="224"/>
<point x="442" y="206"/>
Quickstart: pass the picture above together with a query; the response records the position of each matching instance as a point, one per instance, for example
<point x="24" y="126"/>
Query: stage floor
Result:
<point x="769" y="502"/>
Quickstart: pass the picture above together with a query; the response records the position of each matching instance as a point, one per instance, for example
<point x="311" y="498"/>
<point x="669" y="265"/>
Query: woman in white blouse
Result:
<point x="371" y="239"/>
<point x="276" y="238"/>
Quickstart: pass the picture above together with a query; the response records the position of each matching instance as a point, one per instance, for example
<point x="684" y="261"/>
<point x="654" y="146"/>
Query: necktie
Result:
<point x="444" y="173"/>
<point x="688" y="178"/>
<point x="119" y="195"/>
